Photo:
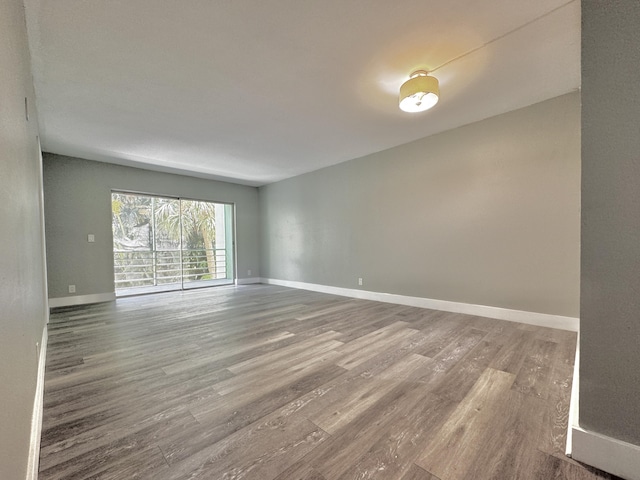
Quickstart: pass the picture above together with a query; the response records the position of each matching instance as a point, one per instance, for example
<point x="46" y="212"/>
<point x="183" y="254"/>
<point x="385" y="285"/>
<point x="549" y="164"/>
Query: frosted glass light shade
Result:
<point x="419" y="93"/>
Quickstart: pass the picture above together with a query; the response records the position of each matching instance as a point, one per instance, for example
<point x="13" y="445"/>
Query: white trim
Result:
<point x="81" y="299"/>
<point x="532" y="318"/>
<point x="36" y="416"/>
<point x="606" y="453"/>
<point x="248" y="281"/>
<point x="573" y="404"/>
<point x="603" y="452"/>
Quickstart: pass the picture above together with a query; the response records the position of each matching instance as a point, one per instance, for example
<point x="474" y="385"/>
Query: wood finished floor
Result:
<point x="269" y="383"/>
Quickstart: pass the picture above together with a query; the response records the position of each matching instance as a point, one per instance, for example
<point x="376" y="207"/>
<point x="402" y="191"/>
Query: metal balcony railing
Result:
<point x="142" y="268"/>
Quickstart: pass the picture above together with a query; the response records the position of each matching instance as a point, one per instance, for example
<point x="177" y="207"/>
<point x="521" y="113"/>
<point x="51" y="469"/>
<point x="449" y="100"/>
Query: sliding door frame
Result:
<point x="234" y="257"/>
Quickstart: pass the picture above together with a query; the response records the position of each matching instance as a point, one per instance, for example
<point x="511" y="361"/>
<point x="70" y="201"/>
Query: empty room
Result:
<point x="319" y="240"/>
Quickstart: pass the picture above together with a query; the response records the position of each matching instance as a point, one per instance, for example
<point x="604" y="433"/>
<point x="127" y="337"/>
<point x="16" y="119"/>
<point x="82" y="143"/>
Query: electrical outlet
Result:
<point x="72" y="289"/>
<point x="360" y="281"/>
<point x="91" y="238"/>
<point x="249" y="272"/>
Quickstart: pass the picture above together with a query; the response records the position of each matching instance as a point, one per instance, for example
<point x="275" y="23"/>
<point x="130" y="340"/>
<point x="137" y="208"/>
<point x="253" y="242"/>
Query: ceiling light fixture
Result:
<point x="419" y="93"/>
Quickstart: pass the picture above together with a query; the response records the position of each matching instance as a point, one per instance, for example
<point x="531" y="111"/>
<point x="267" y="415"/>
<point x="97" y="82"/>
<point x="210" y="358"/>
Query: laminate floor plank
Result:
<point x="350" y="407"/>
<point x="370" y="338"/>
<point x="161" y="387"/>
<point x="308" y="347"/>
<point x="353" y="439"/>
<point x="451" y="452"/>
<point x="205" y="358"/>
<point x="260" y="450"/>
<point x="359" y="356"/>
<point x="99" y="454"/>
<point x="268" y="383"/>
<point x="417" y="473"/>
<point x="407" y="368"/>
<point x="272" y="383"/>
<point x="430" y="320"/>
<point x="534" y="378"/>
<point x="445" y="330"/>
<point x="99" y="416"/>
<point x="219" y="418"/>
<point x="352" y="323"/>
<point x="515" y="347"/>
<point x="326" y="309"/>
<point x="449" y="356"/>
<point x="300" y="471"/>
<point x="84" y="445"/>
<point x="505" y="455"/>
<point x="460" y="379"/>
<point x="391" y="457"/>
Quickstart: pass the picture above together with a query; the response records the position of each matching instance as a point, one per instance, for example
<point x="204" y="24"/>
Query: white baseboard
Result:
<point x="248" y="281"/>
<point x="606" y="453"/>
<point x="36" y="416"/>
<point x="600" y="451"/>
<point x="573" y="404"/>
<point x="81" y="299"/>
<point x="531" y="318"/>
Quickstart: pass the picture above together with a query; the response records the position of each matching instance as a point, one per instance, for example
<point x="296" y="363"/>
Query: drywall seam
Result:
<point x="531" y="318"/>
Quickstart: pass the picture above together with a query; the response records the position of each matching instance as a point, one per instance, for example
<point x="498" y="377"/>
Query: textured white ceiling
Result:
<point x="254" y="92"/>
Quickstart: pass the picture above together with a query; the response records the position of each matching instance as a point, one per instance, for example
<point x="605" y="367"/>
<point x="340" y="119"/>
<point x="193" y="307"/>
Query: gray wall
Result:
<point x="23" y="311"/>
<point x="610" y="279"/>
<point x="78" y="202"/>
<point x="484" y="214"/>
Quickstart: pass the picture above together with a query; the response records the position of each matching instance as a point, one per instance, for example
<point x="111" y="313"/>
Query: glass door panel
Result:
<point x="167" y="246"/>
<point x="133" y="256"/>
<point x="204" y="244"/>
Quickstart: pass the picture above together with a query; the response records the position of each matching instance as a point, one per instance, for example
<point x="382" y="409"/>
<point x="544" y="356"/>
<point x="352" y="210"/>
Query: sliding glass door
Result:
<point x="162" y="244"/>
